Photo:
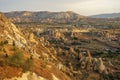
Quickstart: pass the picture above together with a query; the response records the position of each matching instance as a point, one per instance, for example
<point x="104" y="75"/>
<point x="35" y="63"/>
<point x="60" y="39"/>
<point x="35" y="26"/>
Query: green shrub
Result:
<point x="17" y="59"/>
<point x="106" y="76"/>
<point x="77" y="50"/>
<point x="5" y="42"/>
<point x="2" y="43"/>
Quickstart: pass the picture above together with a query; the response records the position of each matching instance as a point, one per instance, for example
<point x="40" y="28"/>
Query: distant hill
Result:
<point x="43" y="16"/>
<point x="112" y="15"/>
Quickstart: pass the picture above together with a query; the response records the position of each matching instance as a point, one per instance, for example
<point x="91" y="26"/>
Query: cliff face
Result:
<point x="11" y="33"/>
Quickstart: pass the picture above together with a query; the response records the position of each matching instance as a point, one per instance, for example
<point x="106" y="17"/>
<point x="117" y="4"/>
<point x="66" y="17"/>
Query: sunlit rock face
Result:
<point x="28" y="76"/>
<point x="10" y="32"/>
<point x="32" y="39"/>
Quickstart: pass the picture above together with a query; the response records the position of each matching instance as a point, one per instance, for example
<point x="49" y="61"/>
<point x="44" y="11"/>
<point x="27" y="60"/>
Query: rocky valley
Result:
<point x="58" y="46"/>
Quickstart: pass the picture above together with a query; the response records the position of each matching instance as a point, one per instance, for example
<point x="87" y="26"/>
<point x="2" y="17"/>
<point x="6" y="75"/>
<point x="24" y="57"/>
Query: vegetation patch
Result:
<point x="18" y="60"/>
<point x="2" y="43"/>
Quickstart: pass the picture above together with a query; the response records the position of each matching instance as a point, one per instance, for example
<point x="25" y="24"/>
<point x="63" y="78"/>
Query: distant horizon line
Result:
<point x="59" y="11"/>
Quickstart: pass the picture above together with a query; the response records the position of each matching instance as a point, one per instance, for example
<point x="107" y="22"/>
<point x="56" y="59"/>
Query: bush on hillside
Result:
<point x="2" y="43"/>
<point x="18" y="60"/>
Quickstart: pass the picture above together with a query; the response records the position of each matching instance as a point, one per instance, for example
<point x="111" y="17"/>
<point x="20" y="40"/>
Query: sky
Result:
<point x="83" y="7"/>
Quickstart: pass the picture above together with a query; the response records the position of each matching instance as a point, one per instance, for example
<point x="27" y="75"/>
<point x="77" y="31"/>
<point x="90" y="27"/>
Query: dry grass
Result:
<point x="9" y="72"/>
<point x="41" y="69"/>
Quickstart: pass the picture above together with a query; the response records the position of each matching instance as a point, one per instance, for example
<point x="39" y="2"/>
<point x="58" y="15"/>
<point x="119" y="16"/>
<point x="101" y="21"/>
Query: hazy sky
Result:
<point x="83" y="7"/>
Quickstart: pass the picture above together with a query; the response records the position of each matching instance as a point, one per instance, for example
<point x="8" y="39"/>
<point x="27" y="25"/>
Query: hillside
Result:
<point x="23" y="57"/>
<point x="43" y="16"/>
<point x="112" y="15"/>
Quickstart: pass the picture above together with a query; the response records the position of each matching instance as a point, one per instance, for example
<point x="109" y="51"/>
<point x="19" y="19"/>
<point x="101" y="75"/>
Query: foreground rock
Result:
<point x="28" y="76"/>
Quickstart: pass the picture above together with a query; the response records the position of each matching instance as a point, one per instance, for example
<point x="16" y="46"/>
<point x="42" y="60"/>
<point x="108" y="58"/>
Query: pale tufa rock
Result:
<point x="32" y="39"/>
<point x="101" y="67"/>
<point x="28" y="76"/>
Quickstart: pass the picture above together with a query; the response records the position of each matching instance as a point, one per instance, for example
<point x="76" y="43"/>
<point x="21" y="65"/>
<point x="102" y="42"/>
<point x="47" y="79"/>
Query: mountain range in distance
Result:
<point x="43" y="16"/>
<point x="108" y="15"/>
<point x="46" y="16"/>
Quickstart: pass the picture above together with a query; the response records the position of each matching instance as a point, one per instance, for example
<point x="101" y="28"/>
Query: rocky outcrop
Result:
<point x="54" y="77"/>
<point x="32" y="38"/>
<point x="28" y="76"/>
<point x="61" y="67"/>
<point x="101" y="67"/>
<point x="11" y="33"/>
